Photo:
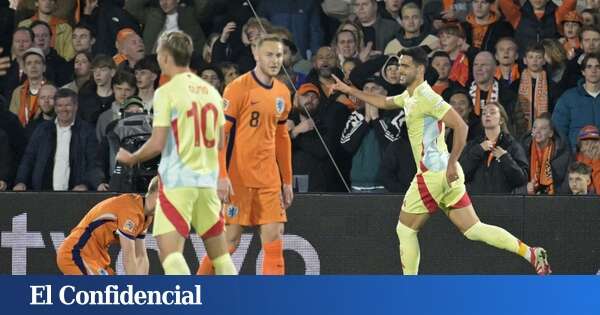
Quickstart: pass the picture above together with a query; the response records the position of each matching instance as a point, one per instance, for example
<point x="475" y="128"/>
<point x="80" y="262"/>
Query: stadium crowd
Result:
<point x="82" y="73"/>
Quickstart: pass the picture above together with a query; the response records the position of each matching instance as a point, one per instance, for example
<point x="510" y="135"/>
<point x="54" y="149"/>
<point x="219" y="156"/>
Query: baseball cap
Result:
<point x="573" y="16"/>
<point x="123" y="33"/>
<point x="377" y="80"/>
<point x="308" y="87"/>
<point x="589" y="132"/>
<point x="133" y="100"/>
<point x="36" y="51"/>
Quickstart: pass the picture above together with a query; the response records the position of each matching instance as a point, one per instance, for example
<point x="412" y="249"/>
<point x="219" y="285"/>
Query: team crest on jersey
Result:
<point x="279" y="105"/>
<point x="232" y="211"/>
<point x="102" y="272"/>
<point x="129" y="226"/>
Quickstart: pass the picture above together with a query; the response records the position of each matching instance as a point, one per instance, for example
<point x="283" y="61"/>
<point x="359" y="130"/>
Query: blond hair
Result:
<point x="179" y="45"/>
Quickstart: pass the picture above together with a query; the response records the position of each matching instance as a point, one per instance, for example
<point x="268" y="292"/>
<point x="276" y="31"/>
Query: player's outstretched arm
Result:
<point x="373" y="99"/>
<point x="152" y="148"/>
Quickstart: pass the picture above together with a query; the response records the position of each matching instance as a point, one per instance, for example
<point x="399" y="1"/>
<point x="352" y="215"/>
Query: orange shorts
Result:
<point x="255" y="206"/>
<point x="70" y="263"/>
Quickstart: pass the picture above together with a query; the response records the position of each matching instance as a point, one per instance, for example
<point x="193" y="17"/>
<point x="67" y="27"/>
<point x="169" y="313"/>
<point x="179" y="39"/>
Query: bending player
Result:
<point x="258" y="156"/>
<point x="123" y="219"/>
<point x="188" y="129"/>
<point x="439" y="182"/>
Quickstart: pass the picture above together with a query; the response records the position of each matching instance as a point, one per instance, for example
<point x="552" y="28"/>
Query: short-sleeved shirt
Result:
<point x="116" y="216"/>
<point x="193" y="110"/>
<point x="424" y="112"/>
<point x="253" y="112"/>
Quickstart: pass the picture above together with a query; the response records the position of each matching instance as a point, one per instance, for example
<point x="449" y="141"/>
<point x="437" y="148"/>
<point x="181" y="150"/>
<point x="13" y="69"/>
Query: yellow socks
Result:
<point x="410" y="254"/>
<point x="175" y="264"/>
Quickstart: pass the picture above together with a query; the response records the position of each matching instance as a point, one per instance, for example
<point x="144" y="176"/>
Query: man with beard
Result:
<point x="439" y="182"/>
<point x="334" y="108"/>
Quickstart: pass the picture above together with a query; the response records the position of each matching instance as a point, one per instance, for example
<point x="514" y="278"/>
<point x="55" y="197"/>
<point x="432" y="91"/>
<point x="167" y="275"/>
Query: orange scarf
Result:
<point x="439" y="88"/>
<point x="475" y="93"/>
<point x="77" y="16"/>
<point x="460" y="69"/>
<point x="28" y="105"/>
<point x="54" y="21"/>
<point x="541" y="95"/>
<point x="513" y="76"/>
<point x="479" y="30"/>
<point x="541" y="170"/>
<point x="119" y="59"/>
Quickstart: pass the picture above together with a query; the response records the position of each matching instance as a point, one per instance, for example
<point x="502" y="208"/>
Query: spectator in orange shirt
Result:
<point x="588" y="152"/>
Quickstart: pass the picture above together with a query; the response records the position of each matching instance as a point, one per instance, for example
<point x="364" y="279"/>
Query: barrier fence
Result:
<point x="335" y="234"/>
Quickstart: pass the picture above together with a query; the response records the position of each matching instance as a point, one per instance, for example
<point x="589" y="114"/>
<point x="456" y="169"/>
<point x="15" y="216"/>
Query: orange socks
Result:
<point x="273" y="263"/>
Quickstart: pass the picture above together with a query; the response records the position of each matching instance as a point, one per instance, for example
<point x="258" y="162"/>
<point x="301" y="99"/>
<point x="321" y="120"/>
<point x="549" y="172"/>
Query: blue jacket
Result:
<point x="37" y="165"/>
<point x="575" y="109"/>
<point x="300" y="17"/>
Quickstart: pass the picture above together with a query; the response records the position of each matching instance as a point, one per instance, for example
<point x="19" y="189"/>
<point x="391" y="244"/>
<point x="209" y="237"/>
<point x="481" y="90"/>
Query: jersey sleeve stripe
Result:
<point x="281" y="122"/>
<point x="141" y="236"/>
<point x="83" y="239"/>
<point x="231" y="119"/>
<point x="230" y="144"/>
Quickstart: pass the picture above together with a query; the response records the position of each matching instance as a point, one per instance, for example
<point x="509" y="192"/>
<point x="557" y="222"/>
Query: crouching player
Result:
<point x="123" y="219"/>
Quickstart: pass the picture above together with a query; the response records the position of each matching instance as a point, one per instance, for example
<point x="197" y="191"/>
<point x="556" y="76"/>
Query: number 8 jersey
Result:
<point x="256" y="115"/>
<point x="193" y="110"/>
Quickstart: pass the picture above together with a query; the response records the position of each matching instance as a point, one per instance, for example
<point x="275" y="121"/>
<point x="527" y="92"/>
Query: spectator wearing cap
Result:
<point x="22" y="39"/>
<point x="59" y="30"/>
<point x="452" y="41"/>
<point x="147" y="73"/>
<point x="130" y="49"/>
<point x="170" y="15"/>
<point x="57" y="68"/>
<point x="82" y="71"/>
<point x="412" y="33"/>
<point x="46" y="105"/>
<point x="494" y="162"/>
<point x="378" y="31"/>
<point x="571" y="29"/>
<point x="107" y="18"/>
<point x="124" y="86"/>
<point x="24" y="97"/>
<point x="484" y="27"/>
<point x="105" y="162"/>
<point x="300" y="17"/>
<point x="61" y="153"/>
<point x="486" y="89"/>
<point x="98" y="96"/>
<point x="308" y="153"/>
<point x="535" y="19"/>
<point x="577" y="106"/>
<point x="440" y="61"/>
<point x="588" y="153"/>
<point x="214" y="76"/>
<point x="580" y="179"/>
<point x="366" y="136"/>
<point x="549" y="157"/>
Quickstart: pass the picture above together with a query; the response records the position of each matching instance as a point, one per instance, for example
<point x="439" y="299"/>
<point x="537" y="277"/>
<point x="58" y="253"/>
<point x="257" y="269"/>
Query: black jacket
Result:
<point x="7" y="161"/>
<point x="91" y="105"/>
<point x="398" y="167"/>
<point x="494" y="32"/>
<point x="240" y="55"/>
<point x="107" y="20"/>
<point x="37" y="165"/>
<point x="58" y="70"/>
<point x="502" y="176"/>
<point x="559" y="162"/>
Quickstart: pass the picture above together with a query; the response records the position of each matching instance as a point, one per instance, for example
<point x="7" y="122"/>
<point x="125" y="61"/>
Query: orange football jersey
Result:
<point x="253" y="111"/>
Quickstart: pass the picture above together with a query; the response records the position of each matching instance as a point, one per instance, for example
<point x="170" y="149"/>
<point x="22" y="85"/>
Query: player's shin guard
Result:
<point x="273" y="263"/>
<point x="410" y="253"/>
<point x="175" y="264"/>
<point x="224" y="265"/>
<point x="493" y="235"/>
